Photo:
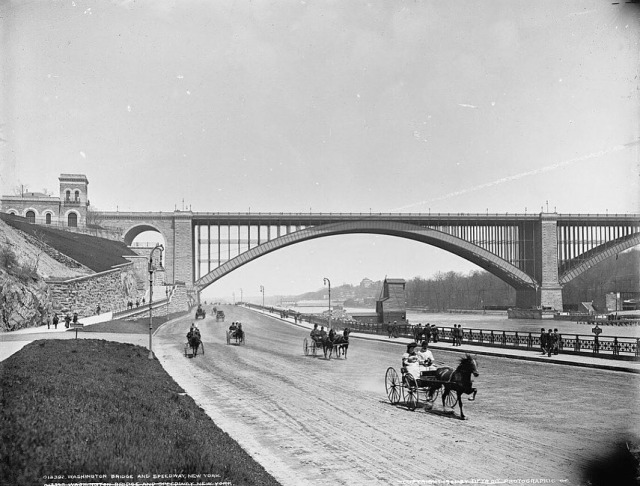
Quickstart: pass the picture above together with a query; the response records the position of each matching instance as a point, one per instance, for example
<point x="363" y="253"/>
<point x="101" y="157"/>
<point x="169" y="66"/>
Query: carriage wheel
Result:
<point x="432" y="394"/>
<point x="314" y="349"/>
<point x="451" y="399"/>
<point x="305" y="347"/>
<point x="412" y="397"/>
<point x="228" y="338"/>
<point x="243" y="339"/>
<point x="393" y="386"/>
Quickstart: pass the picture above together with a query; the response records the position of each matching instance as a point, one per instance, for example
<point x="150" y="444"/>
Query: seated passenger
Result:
<point x="239" y="331"/>
<point x="425" y="358"/>
<point x="315" y="334"/>
<point x="410" y="361"/>
<point x="323" y="333"/>
<point x="233" y="326"/>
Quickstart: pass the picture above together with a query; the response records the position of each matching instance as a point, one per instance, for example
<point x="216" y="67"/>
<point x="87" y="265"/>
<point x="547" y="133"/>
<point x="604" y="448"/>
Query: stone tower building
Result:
<point x="69" y="209"/>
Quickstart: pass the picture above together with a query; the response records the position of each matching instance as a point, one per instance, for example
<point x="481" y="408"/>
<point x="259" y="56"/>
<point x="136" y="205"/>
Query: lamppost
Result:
<point x="262" y="290"/>
<point x="327" y="281"/>
<point x="151" y="269"/>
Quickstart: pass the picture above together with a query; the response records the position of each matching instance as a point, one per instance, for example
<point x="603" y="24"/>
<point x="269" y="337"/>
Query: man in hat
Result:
<point x="410" y="360"/>
<point x="549" y="342"/>
<point x="556" y="341"/>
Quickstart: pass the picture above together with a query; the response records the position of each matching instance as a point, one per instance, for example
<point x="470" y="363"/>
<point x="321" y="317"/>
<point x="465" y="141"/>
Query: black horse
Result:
<point x="342" y="343"/>
<point x="194" y="343"/>
<point x="459" y="381"/>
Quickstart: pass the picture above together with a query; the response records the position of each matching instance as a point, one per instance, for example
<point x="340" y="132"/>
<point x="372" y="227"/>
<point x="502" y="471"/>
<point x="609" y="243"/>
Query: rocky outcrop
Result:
<point x="24" y="302"/>
<point x="25" y="298"/>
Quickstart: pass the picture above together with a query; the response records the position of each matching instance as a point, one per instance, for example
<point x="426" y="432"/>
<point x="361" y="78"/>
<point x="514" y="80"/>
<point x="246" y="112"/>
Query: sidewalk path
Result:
<point x="523" y="354"/>
<point x="12" y="342"/>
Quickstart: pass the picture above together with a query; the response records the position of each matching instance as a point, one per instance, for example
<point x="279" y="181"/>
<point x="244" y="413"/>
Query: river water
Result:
<point x="497" y="322"/>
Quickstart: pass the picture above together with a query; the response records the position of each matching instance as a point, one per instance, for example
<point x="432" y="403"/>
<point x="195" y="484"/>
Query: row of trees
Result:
<point x="452" y="290"/>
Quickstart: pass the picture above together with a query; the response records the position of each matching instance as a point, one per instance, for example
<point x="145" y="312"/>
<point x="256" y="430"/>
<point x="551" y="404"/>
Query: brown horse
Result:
<point x="327" y="343"/>
<point x="458" y="381"/>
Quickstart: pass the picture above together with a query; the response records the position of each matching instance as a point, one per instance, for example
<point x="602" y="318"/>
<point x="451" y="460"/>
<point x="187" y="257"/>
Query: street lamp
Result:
<point x="327" y="281"/>
<point x="262" y="290"/>
<point x="151" y="269"/>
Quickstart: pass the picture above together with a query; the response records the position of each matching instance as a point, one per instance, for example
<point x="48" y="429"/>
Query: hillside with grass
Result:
<point x="72" y="249"/>
<point x="31" y="254"/>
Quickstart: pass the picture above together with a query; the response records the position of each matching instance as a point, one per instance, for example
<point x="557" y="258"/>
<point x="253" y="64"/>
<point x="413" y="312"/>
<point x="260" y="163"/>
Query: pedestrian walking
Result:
<point x="556" y="341"/>
<point x="55" y="320"/>
<point x="75" y="318"/>
<point x="434" y="333"/>
<point x="98" y="309"/>
<point x="543" y="340"/>
<point x="549" y="342"/>
<point x="67" y="320"/>
<point x="426" y="333"/>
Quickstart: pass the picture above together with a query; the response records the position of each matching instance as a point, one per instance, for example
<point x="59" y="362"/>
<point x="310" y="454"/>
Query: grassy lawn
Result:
<point x="72" y="407"/>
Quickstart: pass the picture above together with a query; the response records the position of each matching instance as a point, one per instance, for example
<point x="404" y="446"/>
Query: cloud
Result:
<point x="514" y="177"/>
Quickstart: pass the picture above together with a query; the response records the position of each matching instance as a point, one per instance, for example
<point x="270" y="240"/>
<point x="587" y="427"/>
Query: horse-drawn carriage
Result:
<point x="445" y="381"/>
<point x="200" y="312"/>
<point x="237" y="335"/>
<point x="329" y="344"/>
<point x="219" y="316"/>
<point x="193" y="344"/>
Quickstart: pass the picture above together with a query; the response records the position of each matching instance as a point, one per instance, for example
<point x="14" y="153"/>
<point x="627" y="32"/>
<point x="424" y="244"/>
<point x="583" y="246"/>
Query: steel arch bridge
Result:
<point x="535" y="253"/>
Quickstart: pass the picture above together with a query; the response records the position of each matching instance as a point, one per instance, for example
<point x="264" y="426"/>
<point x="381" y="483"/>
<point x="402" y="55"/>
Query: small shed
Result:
<point x="392" y="305"/>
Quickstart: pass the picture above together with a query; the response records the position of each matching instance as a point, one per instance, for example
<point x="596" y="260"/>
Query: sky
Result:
<point x="330" y="106"/>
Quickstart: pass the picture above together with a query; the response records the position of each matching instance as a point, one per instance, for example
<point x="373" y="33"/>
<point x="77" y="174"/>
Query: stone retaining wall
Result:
<point x="110" y="290"/>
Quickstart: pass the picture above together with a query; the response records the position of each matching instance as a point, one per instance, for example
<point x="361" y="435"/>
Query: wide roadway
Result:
<point x="315" y="421"/>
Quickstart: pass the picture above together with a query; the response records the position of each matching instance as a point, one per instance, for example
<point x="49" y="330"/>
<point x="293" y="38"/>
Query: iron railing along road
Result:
<point x="603" y="346"/>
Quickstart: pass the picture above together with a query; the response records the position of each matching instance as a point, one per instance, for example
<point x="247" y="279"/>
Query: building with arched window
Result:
<point x="69" y="209"/>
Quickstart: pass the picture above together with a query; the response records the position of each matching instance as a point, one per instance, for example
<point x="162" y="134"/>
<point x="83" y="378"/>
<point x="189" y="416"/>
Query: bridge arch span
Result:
<point x="133" y="231"/>
<point x="598" y="255"/>
<point x="481" y="257"/>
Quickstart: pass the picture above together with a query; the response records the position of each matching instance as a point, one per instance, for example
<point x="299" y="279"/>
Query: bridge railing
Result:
<point x="602" y="346"/>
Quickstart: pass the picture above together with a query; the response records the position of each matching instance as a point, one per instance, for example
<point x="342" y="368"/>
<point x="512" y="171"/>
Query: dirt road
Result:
<point x="315" y="421"/>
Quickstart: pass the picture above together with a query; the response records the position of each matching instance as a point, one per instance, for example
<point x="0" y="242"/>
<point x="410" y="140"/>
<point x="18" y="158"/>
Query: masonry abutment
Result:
<point x="550" y="292"/>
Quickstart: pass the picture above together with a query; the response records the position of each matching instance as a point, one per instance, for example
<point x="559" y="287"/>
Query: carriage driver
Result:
<point x="410" y="360"/>
<point x="193" y="331"/>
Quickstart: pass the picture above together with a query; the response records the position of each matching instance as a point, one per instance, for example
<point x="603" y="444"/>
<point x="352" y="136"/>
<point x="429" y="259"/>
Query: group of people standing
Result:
<point x="427" y="333"/>
<point x="130" y="303"/>
<point x="549" y="341"/>
<point x="68" y="319"/>
<point x="457" y="334"/>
